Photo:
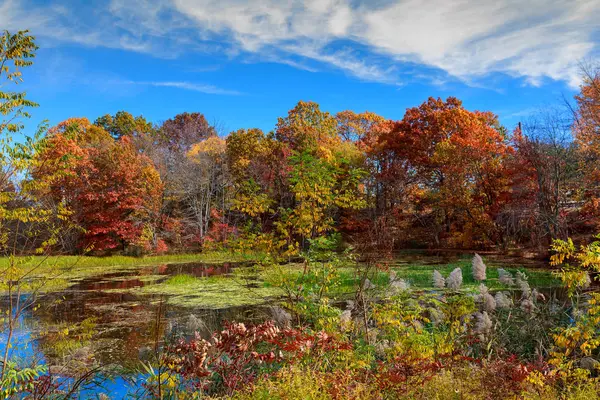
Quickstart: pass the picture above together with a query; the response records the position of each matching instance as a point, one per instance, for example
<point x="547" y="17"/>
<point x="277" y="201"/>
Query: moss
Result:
<point x="179" y="280"/>
<point x="210" y="293"/>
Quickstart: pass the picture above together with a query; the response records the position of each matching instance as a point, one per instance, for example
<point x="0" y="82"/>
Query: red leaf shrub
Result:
<point x="234" y="357"/>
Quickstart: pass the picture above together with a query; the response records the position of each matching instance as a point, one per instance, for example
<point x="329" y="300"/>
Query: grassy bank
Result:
<point x="249" y="286"/>
<point x="420" y="276"/>
<point x="125" y="261"/>
<point x="57" y="272"/>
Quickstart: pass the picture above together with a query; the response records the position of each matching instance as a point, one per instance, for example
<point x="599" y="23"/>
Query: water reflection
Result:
<point x="151" y="275"/>
<point x="442" y="257"/>
<point x="126" y="325"/>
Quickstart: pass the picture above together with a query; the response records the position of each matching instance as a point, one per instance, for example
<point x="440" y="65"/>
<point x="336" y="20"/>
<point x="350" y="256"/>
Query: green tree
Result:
<point x="124" y="124"/>
<point x="16" y="52"/>
<point x="25" y="222"/>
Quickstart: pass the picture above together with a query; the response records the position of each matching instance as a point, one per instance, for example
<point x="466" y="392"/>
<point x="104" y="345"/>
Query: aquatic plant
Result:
<point x="455" y="279"/>
<point x="438" y="280"/>
<point x="505" y="277"/>
<point x="478" y="268"/>
<point x="488" y="301"/>
<point x="503" y="300"/>
<point x="484" y="324"/>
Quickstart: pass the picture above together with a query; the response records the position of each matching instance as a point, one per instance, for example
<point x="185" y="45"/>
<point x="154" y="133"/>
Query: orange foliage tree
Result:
<point x="587" y="133"/>
<point x="442" y="166"/>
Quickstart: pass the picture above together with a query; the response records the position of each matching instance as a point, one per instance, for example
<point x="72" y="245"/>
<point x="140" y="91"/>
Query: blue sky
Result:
<point x="244" y="63"/>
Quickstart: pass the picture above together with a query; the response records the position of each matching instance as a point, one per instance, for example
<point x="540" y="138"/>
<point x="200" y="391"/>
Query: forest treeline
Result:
<point x="441" y="176"/>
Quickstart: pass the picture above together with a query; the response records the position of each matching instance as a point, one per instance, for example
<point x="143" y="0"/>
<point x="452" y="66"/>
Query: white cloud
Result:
<point x="466" y="39"/>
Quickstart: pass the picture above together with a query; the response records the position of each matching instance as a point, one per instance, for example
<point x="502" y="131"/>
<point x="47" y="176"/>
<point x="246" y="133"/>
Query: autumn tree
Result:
<point x="587" y="123"/>
<point x="26" y="223"/>
<point x="16" y="53"/>
<point x="321" y="187"/>
<point x="112" y="190"/>
<point x="322" y="175"/>
<point x="307" y="128"/>
<point x="355" y="130"/>
<point x="206" y="194"/>
<point x="255" y="173"/>
<point x="545" y="177"/>
<point x="355" y="126"/>
<point x="167" y="145"/>
<point x="587" y="133"/>
<point x="295" y="182"/>
<point x="182" y="131"/>
<point x="442" y="165"/>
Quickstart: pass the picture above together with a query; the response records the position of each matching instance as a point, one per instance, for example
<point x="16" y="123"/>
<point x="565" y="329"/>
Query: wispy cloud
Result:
<point x="347" y="61"/>
<point x="283" y="59"/>
<point x="195" y="87"/>
<point x="522" y="113"/>
<point x="202" y="68"/>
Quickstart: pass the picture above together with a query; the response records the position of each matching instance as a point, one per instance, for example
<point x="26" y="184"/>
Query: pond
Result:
<point x="113" y="326"/>
<point x="116" y="320"/>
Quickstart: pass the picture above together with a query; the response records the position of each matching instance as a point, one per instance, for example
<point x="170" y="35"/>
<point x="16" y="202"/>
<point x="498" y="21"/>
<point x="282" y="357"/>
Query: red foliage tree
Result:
<point x="112" y="190"/>
<point x="182" y="131"/>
